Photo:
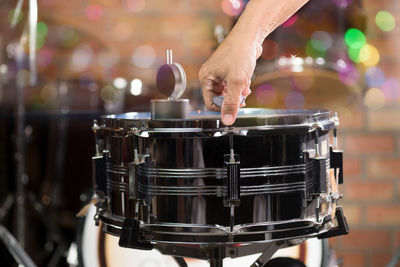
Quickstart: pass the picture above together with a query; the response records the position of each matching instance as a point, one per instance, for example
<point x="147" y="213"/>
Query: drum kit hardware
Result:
<point x="186" y="185"/>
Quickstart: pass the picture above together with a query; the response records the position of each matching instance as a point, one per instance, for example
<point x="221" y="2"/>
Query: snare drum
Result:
<point x="272" y="176"/>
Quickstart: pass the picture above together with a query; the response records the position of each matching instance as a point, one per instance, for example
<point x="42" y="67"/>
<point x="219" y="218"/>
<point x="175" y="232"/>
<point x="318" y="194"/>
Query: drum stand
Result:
<point x="216" y="254"/>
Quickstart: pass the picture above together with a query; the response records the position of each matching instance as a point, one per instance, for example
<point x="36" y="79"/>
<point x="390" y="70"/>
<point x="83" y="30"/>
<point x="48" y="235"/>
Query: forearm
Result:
<point x="261" y="17"/>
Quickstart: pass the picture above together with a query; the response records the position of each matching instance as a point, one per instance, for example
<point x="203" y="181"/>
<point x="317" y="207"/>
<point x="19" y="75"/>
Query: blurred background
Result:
<point x="98" y="57"/>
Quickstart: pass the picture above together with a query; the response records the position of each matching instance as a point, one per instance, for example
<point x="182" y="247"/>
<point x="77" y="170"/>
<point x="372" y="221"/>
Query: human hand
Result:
<point x="228" y="72"/>
<point x="229" y="69"/>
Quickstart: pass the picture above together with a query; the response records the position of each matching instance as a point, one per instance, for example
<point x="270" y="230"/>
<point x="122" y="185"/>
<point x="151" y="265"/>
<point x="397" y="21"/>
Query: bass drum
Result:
<point x="98" y="249"/>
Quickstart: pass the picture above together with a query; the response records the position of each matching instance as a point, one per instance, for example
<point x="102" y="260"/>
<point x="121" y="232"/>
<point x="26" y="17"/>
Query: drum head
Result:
<point x="248" y="118"/>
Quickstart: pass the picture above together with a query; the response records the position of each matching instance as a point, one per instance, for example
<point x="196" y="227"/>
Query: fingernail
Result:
<point x="227" y="119"/>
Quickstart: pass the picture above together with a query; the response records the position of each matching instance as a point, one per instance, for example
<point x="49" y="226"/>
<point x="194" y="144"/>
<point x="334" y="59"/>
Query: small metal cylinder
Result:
<point x="164" y="109"/>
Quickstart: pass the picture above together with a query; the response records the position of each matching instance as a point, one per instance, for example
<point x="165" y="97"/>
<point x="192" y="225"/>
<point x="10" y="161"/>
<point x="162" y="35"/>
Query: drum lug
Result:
<point x="336" y="158"/>
<point x="138" y="178"/>
<point x="232" y="184"/>
<point x="100" y="172"/>
<point x="129" y="237"/>
<point x="317" y="173"/>
<point x="232" y="181"/>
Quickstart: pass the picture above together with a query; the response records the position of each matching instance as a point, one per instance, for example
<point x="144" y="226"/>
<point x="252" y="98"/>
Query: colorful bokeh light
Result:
<point x="315" y="48"/>
<point x="42" y="29"/>
<point x="374" y="77"/>
<point x="385" y="21"/>
<point x="266" y="95"/>
<point x="369" y="55"/>
<point x="94" y="12"/>
<point x="391" y="89"/>
<point x="144" y="56"/>
<point x="290" y="21"/>
<point x="294" y="100"/>
<point x="374" y="98"/>
<point x="354" y="38"/>
<point x="67" y="36"/>
<point x="232" y="7"/>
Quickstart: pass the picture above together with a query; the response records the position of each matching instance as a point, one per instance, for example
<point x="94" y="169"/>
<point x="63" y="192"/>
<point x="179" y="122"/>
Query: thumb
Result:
<point x="230" y="106"/>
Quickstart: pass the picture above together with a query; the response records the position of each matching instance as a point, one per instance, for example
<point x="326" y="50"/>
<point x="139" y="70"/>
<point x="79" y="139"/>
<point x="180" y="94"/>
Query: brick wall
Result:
<point x="371" y="142"/>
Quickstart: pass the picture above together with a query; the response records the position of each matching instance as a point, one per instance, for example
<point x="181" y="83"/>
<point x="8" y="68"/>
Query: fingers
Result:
<point x="230" y="106"/>
<point x="210" y="89"/>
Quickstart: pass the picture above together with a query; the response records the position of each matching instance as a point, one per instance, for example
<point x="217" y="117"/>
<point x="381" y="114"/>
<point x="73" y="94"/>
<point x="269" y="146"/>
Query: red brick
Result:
<point x="369" y="191"/>
<point x="383" y="167"/>
<point x="369" y="143"/>
<point x="352" y="212"/>
<point x="370" y="4"/>
<point x="380" y="258"/>
<point x="387" y="119"/>
<point x="351" y="259"/>
<point x="352" y="119"/>
<point x="383" y="214"/>
<point x="351" y="166"/>
<point x="397" y="241"/>
<point x="366" y="239"/>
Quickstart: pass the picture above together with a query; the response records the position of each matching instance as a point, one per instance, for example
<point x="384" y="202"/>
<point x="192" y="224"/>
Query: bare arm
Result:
<point x="228" y="71"/>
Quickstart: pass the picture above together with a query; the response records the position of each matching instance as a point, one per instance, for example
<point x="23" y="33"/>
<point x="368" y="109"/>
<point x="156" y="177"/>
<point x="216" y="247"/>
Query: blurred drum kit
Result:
<point x="184" y="184"/>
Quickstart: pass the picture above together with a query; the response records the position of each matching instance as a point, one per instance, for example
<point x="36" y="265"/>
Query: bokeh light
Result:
<point x="302" y="82"/>
<point x="321" y="37"/>
<point x="391" y="89"/>
<point x="108" y="93"/>
<point x="354" y="54"/>
<point x="294" y="100"/>
<point x="144" y="56"/>
<point x="94" y="12"/>
<point x="40" y="41"/>
<point x="232" y="7"/>
<point x="67" y="36"/>
<point x="342" y="3"/>
<point x="266" y="95"/>
<point x="315" y="48"/>
<point x="290" y="21"/>
<point x="135" y="5"/>
<point x="81" y="58"/>
<point x="42" y="29"/>
<point x="348" y="73"/>
<point x="48" y="93"/>
<point x="374" y="98"/>
<point x="136" y="87"/>
<point x="374" y="77"/>
<point x="369" y="55"/>
<point x="385" y="21"/>
<point x="354" y="38"/>
<point x="120" y="83"/>
<point x="45" y="57"/>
